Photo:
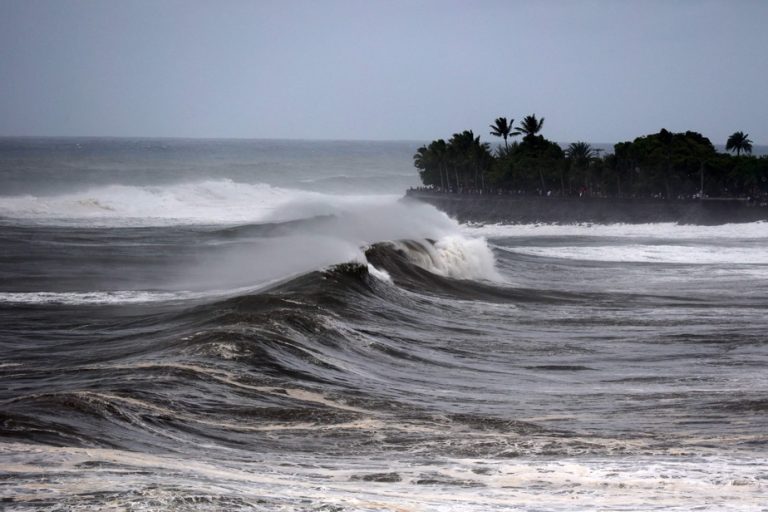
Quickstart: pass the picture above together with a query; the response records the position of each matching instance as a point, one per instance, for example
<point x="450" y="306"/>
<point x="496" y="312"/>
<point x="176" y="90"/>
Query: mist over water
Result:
<point x="261" y="325"/>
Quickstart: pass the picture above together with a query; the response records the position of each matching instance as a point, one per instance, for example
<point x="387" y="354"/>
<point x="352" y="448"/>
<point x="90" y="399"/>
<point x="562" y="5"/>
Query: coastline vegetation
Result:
<point x="661" y="165"/>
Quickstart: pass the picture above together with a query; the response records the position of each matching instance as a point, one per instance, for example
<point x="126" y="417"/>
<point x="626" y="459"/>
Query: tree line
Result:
<point x="663" y="165"/>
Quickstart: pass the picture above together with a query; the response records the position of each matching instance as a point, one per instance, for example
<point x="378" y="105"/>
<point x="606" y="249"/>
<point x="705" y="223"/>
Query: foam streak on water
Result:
<point x="460" y="484"/>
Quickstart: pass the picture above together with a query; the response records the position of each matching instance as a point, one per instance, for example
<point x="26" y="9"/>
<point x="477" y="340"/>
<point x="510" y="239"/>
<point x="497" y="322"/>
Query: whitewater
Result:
<point x="271" y="325"/>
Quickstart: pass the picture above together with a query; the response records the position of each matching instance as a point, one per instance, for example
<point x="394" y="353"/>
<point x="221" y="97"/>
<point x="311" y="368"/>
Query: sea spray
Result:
<point x="246" y="235"/>
<point x="341" y="235"/>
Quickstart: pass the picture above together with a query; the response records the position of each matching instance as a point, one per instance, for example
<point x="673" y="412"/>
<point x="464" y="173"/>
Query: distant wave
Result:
<point x="205" y="202"/>
<point x="344" y="178"/>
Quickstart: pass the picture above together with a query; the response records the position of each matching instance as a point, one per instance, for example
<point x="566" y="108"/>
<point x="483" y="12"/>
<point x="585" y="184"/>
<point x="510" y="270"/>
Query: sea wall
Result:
<point x="567" y="210"/>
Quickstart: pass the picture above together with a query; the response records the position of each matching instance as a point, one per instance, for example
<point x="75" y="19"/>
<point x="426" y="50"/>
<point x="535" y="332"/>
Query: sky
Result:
<point x="596" y="70"/>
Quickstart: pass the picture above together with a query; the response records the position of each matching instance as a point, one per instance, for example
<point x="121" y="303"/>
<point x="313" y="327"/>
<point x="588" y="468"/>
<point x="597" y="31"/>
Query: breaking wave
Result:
<point x="206" y="202"/>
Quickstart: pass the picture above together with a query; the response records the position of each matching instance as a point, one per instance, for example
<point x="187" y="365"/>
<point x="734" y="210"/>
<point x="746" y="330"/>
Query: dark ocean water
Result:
<point x="266" y="325"/>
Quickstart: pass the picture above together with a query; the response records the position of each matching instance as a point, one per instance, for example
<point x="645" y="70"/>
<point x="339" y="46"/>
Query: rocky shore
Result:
<point x="524" y="209"/>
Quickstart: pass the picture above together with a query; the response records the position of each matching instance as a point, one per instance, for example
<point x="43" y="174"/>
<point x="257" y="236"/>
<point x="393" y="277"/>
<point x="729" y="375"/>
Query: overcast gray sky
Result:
<point x="599" y="71"/>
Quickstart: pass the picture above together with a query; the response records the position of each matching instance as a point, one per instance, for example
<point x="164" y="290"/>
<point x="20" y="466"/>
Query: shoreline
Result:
<point x="526" y="209"/>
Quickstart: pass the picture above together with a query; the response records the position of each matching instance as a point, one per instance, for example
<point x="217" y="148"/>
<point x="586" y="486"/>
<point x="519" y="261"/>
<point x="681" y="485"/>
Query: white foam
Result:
<point x="95" y="297"/>
<point x="456" y="256"/>
<point x="638" y="253"/>
<point x="381" y="275"/>
<point x="752" y="230"/>
<point x="125" y="296"/>
<point x="708" y="483"/>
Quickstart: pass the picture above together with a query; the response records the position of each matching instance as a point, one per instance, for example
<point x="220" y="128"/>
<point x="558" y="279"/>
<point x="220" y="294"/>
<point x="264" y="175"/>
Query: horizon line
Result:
<point x="178" y="137"/>
<point x="283" y="139"/>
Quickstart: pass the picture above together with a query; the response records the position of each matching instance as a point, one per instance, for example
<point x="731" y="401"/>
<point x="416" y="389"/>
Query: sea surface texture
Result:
<point x="268" y="325"/>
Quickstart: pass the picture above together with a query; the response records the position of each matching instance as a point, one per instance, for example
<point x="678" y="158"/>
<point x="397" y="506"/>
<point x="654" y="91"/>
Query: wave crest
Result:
<point x="453" y="256"/>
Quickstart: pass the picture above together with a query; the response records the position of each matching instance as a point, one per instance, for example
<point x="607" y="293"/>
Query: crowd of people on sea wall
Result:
<point x="496" y="192"/>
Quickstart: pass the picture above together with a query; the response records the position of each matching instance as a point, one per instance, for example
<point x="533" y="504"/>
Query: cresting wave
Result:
<point x="453" y="256"/>
<point x="193" y="239"/>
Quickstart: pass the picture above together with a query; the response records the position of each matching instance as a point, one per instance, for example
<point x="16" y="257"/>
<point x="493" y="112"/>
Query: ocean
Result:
<point x="270" y="325"/>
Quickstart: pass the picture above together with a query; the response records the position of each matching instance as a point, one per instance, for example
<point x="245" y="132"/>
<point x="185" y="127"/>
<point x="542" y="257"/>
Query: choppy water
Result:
<point x="221" y="329"/>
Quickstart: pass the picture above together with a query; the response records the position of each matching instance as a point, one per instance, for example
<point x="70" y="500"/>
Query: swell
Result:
<point x="332" y="352"/>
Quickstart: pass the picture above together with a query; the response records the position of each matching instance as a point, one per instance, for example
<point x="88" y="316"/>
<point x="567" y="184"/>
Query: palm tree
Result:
<point x="579" y="151"/>
<point x="739" y="142"/>
<point x="500" y="128"/>
<point x="482" y="160"/>
<point x="459" y="148"/>
<point x="439" y="151"/>
<point x="432" y="161"/>
<point x="530" y="126"/>
<point x="471" y="156"/>
<point x="580" y="154"/>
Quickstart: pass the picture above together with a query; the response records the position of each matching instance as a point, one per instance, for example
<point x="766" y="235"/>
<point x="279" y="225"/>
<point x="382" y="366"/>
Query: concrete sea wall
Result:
<point x="565" y="210"/>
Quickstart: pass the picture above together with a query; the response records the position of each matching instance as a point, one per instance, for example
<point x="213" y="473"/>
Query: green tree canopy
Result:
<point x="667" y="162"/>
